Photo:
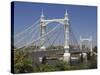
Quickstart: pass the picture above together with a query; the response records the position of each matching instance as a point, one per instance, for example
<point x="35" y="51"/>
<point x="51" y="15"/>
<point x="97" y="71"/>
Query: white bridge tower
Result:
<point x="89" y="40"/>
<point x="65" y="22"/>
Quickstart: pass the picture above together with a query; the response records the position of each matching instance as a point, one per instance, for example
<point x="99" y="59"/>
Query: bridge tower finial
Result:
<point x="66" y="13"/>
<point x="42" y="14"/>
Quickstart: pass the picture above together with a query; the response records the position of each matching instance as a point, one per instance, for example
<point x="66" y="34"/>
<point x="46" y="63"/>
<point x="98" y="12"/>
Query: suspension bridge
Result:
<point x="58" y="41"/>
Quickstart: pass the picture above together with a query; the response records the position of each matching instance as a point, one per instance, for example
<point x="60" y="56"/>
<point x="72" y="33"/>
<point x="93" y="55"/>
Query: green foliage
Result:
<point x="95" y="49"/>
<point x="61" y="66"/>
<point x="93" y="62"/>
<point x="46" y="68"/>
<point x="23" y="63"/>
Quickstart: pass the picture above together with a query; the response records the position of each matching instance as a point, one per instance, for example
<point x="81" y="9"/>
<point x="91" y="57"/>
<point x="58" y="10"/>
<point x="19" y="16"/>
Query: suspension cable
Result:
<point x="33" y="25"/>
<point x="38" y="38"/>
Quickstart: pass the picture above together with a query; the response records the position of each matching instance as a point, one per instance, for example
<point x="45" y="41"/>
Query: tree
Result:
<point x="95" y="49"/>
<point x="22" y="62"/>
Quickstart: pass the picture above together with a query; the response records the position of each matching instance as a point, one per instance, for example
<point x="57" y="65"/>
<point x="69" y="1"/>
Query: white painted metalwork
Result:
<point x="88" y="40"/>
<point x="65" y="21"/>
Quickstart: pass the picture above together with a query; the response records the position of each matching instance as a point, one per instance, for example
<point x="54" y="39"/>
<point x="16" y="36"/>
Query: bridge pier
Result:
<point x="84" y="57"/>
<point x="66" y="57"/>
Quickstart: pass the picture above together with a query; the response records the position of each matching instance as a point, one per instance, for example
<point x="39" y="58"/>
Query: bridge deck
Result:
<point x="79" y="51"/>
<point x="52" y="54"/>
<point x="59" y="51"/>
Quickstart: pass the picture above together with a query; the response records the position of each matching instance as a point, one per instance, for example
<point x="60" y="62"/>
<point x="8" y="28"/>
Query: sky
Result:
<point x="83" y="19"/>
